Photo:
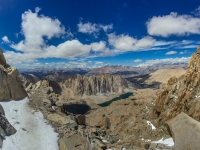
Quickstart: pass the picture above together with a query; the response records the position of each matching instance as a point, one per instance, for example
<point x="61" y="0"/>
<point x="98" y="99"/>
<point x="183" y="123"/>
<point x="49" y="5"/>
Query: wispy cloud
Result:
<point x="98" y="62"/>
<point x="58" y="65"/>
<point x="93" y="28"/>
<point x="137" y="60"/>
<point x="5" y="39"/>
<point x="171" y="53"/>
<point x="183" y="52"/>
<point x="196" y="12"/>
<point x="165" y="61"/>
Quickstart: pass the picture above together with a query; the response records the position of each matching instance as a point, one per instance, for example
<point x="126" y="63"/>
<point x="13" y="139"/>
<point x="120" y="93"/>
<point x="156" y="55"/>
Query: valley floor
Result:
<point x="33" y="131"/>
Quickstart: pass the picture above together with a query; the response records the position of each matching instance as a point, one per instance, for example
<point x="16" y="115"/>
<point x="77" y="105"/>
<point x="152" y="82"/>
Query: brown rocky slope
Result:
<point x="182" y="94"/>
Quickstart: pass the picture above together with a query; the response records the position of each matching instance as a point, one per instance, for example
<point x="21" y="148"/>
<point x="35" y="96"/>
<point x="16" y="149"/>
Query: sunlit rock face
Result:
<point x="92" y="85"/>
<point x="10" y="84"/>
<point x="182" y="94"/>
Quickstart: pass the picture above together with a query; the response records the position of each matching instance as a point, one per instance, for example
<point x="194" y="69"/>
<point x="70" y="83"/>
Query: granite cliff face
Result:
<point x="182" y="94"/>
<point x="92" y="85"/>
<point x="10" y="84"/>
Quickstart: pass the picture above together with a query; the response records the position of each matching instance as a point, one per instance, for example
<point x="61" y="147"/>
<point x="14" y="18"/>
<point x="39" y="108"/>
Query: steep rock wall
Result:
<point x="103" y="83"/>
<point x="182" y="94"/>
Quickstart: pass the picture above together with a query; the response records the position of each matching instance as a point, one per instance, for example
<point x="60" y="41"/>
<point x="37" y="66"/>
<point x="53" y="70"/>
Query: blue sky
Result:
<point x="66" y="33"/>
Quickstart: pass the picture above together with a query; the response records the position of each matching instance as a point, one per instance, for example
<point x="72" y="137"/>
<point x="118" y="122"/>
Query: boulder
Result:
<point x="62" y="119"/>
<point x="7" y="127"/>
<point x="100" y="144"/>
<point x="172" y="80"/>
<point x="185" y="131"/>
<point x="80" y="119"/>
<point x="46" y="103"/>
<point x="74" y="142"/>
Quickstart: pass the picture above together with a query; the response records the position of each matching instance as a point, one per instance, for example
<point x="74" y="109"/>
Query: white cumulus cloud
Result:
<point x="38" y="30"/>
<point x="128" y="43"/>
<point x="171" y="53"/>
<point x="35" y="28"/>
<point x="98" y="46"/>
<point x="173" y="24"/>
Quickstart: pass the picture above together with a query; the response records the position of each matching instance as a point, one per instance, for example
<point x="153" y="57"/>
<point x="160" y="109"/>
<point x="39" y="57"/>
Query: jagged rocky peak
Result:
<point x="10" y="84"/>
<point x="28" y="79"/>
<point x="59" y="77"/>
<point x="92" y="85"/>
<point x="182" y="94"/>
<point x="3" y="60"/>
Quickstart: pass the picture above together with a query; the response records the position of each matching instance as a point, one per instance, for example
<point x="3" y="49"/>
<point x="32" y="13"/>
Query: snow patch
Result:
<point x="150" y="124"/>
<point x="168" y="142"/>
<point x="32" y="131"/>
<point x="105" y="141"/>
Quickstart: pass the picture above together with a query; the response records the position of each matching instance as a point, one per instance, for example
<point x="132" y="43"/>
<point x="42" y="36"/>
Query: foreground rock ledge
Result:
<point x="185" y="131"/>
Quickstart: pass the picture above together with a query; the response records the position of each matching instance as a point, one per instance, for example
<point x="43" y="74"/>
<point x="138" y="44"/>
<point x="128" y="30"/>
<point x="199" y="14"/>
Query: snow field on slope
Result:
<point x="33" y="132"/>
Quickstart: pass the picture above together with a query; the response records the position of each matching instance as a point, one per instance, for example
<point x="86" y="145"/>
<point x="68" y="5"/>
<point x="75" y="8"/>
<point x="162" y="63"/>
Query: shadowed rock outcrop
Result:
<point x="28" y="79"/>
<point x="3" y="60"/>
<point x="6" y="128"/>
